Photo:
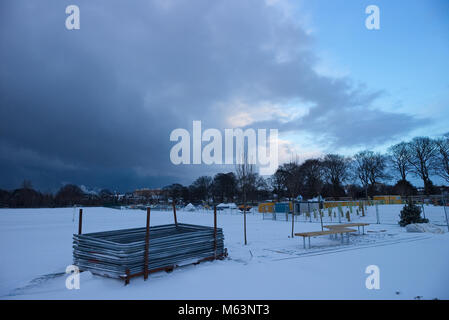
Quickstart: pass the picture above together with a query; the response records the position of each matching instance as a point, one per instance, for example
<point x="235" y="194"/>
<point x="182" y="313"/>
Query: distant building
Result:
<point x="148" y="194"/>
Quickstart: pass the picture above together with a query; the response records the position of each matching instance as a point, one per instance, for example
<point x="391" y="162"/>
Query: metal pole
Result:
<point x="423" y="212"/>
<point x="293" y="220"/>
<point x="244" y="221"/>
<point x="377" y="213"/>
<point x="445" y="213"/>
<point x="174" y="213"/>
<point x="363" y="208"/>
<point x="147" y="245"/>
<point x="80" y="222"/>
<point x="321" y="219"/>
<point x="308" y="210"/>
<point x="215" y="232"/>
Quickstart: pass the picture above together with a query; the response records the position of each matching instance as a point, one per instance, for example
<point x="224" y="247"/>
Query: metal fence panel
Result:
<point x="112" y="253"/>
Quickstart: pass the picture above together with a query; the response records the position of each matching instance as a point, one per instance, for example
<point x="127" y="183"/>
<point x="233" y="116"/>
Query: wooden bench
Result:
<point x="347" y="225"/>
<point x="335" y="231"/>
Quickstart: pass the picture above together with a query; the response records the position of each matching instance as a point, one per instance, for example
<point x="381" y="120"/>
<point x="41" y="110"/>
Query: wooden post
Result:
<point x="174" y="213"/>
<point x="293" y="219"/>
<point x="80" y="222"/>
<point x="244" y="217"/>
<point x="127" y="277"/>
<point x="215" y="232"/>
<point x="147" y="245"/>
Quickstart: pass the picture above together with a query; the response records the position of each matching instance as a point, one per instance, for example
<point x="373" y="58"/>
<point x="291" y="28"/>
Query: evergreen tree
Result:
<point x="411" y="213"/>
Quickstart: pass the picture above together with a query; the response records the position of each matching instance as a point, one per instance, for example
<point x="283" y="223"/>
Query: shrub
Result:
<point x="411" y="213"/>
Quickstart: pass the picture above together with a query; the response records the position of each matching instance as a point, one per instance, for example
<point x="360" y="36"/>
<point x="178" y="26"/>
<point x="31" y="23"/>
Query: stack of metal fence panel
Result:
<point x="112" y="253"/>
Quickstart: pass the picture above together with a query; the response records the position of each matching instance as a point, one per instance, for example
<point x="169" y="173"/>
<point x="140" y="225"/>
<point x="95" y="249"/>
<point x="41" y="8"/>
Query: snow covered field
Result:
<point x="36" y="247"/>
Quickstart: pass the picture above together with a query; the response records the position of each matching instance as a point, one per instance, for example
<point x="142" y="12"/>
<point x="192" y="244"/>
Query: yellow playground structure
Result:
<point x="267" y="207"/>
<point x="379" y="199"/>
<point x="333" y="204"/>
<point x="389" y="199"/>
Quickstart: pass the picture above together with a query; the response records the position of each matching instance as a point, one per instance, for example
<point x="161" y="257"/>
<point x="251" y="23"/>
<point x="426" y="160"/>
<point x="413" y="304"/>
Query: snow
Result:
<point x="423" y="227"/>
<point x="189" y="207"/>
<point x="36" y="248"/>
<point x="227" y="205"/>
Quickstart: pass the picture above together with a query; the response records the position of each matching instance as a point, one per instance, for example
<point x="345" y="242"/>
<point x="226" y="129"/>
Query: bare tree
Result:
<point x="443" y="157"/>
<point x="278" y="184"/>
<point x="399" y="156"/>
<point x="291" y="175"/>
<point x="246" y="180"/>
<point x="423" y="156"/>
<point x="201" y="187"/>
<point x="361" y="171"/>
<point x="335" y="169"/>
<point x="370" y="169"/>
<point x="223" y="186"/>
<point x="312" y="170"/>
<point x="26" y="184"/>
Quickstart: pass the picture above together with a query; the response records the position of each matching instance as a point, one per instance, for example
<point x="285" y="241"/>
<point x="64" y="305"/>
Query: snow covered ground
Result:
<point x="36" y="248"/>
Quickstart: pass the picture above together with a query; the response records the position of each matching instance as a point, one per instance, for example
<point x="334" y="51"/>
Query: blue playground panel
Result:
<point x="281" y="207"/>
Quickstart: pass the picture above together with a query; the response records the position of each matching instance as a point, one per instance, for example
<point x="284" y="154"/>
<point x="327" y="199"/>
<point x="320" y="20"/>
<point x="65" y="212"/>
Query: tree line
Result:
<point x="365" y="174"/>
<point x="68" y="195"/>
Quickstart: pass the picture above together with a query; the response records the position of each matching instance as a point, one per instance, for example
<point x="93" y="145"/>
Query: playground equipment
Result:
<point x="388" y="199"/>
<point x="333" y="204"/>
<point x="283" y="207"/>
<point x="266" y="207"/>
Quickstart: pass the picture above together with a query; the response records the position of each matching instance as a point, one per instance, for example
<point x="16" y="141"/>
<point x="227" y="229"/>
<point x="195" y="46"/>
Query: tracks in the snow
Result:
<point x="36" y="282"/>
<point x="347" y="248"/>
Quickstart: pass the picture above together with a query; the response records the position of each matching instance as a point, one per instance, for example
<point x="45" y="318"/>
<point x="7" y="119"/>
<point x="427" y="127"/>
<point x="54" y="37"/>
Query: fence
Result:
<point x="370" y="211"/>
<point x="129" y="253"/>
<point x="237" y="211"/>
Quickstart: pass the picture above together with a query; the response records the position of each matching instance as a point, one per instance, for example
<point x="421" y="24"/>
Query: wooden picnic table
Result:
<point x="335" y="231"/>
<point x="347" y="225"/>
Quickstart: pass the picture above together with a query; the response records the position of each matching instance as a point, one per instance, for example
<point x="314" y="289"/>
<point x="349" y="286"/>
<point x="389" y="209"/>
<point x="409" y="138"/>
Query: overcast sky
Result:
<point x="96" y="106"/>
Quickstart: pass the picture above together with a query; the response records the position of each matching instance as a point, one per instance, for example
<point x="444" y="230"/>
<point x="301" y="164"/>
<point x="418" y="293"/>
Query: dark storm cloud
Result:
<point x="99" y="103"/>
